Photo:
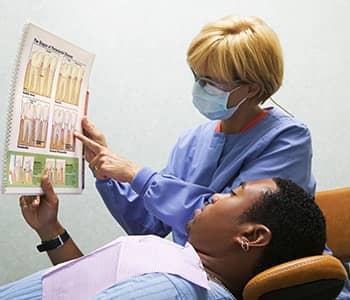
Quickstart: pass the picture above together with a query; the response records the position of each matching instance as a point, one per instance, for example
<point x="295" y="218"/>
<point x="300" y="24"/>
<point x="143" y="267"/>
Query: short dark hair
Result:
<point x="296" y="222"/>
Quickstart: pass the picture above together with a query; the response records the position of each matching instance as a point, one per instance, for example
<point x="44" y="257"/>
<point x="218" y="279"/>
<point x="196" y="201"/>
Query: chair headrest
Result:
<point x="314" y="277"/>
<point x="335" y="205"/>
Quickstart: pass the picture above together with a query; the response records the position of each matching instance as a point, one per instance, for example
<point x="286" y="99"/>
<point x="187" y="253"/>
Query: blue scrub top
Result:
<point x="205" y="161"/>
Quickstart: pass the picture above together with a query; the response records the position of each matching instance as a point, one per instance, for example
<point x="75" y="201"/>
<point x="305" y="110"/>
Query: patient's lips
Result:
<point x="197" y="212"/>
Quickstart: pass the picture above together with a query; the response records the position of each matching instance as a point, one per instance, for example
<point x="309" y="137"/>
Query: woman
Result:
<point x="237" y="65"/>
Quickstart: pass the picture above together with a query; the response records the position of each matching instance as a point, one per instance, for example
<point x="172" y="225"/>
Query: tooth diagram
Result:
<point x="27" y="121"/>
<point x="69" y="83"/>
<point x="33" y="124"/>
<point x="40" y="72"/>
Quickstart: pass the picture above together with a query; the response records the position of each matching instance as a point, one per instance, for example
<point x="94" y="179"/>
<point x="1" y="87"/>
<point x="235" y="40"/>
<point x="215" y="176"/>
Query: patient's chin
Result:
<point x="189" y="225"/>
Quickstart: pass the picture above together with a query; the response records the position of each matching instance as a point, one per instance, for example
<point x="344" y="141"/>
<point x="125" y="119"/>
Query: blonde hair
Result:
<point x="239" y="48"/>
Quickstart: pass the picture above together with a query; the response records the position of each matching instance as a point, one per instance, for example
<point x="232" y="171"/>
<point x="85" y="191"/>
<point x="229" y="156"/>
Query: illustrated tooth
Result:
<point x="21" y="127"/>
<point x="55" y="127"/>
<point x="31" y="72"/>
<point x="60" y="130"/>
<point x="69" y="133"/>
<point x="49" y="169"/>
<point x="73" y="82"/>
<point x="37" y="110"/>
<point x="27" y="74"/>
<point x="62" y="86"/>
<point x="12" y="177"/>
<point x="28" y="111"/>
<point x="44" y="74"/>
<point x="45" y="113"/>
<point x="44" y="118"/>
<point x="36" y="66"/>
<point x="52" y="70"/>
<point x="60" y="171"/>
<point x="66" y="117"/>
<point x="28" y="116"/>
<point x="66" y="128"/>
<point x="37" y="123"/>
<point x="19" y="168"/>
<point x="78" y="85"/>
<point x="21" y="121"/>
<point x="68" y="75"/>
<point x="74" y="121"/>
<point x="27" y="170"/>
<point x="59" y="84"/>
<point x="23" y="109"/>
<point x="73" y="124"/>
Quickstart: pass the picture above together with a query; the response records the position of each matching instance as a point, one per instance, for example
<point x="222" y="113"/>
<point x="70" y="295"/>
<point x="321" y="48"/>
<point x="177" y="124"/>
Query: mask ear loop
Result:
<point x="232" y="91"/>
<point x="240" y="102"/>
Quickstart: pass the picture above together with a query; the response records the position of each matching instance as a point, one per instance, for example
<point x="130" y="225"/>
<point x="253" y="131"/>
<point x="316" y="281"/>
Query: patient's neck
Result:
<point x="229" y="270"/>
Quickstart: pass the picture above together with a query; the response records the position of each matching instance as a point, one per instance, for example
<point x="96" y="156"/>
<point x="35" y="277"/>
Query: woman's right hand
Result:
<point x="40" y="212"/>
<point x="94" y="134"/>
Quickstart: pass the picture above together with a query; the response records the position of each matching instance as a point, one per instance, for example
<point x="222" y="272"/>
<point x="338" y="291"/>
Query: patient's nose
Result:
<point x="216" y="198"/>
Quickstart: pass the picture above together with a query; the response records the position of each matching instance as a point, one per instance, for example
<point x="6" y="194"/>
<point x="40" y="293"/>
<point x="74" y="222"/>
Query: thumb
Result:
<point x="88" y="126"/>
<point x="92" y="132"/>
<point x="48" y="190"/>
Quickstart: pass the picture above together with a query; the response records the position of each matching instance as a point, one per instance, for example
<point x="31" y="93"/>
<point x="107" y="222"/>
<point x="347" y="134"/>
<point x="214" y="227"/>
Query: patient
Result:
<point x="258" y="225"/>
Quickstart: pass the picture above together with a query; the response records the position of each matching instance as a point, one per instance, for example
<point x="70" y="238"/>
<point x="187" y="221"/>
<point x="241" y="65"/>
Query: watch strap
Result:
<point x="55" y="243"/>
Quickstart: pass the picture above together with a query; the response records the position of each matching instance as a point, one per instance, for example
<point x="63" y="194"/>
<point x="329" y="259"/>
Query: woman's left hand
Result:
<point x="107" y="164"/>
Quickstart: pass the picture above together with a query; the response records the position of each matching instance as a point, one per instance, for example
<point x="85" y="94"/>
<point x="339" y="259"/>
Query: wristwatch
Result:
<point x="55" y="243"/>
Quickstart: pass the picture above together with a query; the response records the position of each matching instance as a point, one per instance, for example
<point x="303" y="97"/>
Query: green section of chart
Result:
<point x="26" y="169"/>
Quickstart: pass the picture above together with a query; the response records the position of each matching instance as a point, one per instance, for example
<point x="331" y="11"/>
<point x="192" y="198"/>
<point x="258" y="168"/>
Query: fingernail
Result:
<point x="36" y="200"/>
<point x="46" y="180"/>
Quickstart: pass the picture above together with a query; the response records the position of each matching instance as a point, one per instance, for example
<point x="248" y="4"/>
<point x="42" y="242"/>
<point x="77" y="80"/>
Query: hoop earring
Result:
<point x="245" y="246"/>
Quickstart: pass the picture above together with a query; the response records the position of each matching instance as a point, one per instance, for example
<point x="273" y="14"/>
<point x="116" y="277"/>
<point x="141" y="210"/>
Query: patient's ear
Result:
<point x="255" y="235"/>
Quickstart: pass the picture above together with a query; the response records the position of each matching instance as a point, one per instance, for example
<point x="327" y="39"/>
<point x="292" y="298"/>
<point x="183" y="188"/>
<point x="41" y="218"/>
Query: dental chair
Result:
<point x="320" y="277"/>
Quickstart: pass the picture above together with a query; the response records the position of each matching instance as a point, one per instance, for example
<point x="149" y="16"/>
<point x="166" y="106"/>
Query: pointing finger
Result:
<point x="88" y="142"/>
<point x="92" y="132"/>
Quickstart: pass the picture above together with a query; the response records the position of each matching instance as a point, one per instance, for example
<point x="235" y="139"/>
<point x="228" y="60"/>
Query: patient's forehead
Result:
<point x="260" y="186"/>
<point x="252" y="191"/>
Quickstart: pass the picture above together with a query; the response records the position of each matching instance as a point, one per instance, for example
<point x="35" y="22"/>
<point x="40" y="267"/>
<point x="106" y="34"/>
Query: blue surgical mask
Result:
<point x="212" y="101"/>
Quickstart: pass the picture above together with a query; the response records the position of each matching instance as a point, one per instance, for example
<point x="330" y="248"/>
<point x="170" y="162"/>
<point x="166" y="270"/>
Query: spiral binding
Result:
<point x="11" y="101"/>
